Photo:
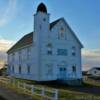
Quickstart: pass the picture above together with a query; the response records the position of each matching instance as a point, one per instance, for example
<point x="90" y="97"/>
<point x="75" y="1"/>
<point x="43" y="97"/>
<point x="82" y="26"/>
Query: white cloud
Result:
<point x="4" y="46"/>
<point x="91" y="53"/>
<point x="3" y="58"/>
<point x="90" y="58"/>
<point x="8" y="13"/>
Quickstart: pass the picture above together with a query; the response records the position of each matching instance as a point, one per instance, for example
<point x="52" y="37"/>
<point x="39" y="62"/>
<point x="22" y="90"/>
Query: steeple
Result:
<point x="42" y="8"/>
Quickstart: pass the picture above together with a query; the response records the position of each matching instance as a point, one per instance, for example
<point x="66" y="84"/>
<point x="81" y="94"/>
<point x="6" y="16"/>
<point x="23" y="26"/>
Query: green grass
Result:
<point x="66" y="92"/>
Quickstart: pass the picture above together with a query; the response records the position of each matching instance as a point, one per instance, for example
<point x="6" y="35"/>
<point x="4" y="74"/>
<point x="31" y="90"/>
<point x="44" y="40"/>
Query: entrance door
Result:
<point x="62" y="72"/>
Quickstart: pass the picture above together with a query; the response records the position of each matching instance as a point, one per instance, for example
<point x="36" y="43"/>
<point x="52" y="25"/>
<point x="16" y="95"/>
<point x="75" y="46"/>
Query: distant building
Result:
<point x="94" y="72"/>
<point x="84" y="73"/>
<point x="51" y="52"/>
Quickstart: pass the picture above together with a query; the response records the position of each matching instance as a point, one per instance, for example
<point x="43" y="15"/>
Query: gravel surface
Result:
<point x="9" y="94"/>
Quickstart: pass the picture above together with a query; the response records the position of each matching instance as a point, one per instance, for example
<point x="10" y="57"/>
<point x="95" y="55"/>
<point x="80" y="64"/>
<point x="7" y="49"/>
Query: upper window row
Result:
<point x="62" y="52"/>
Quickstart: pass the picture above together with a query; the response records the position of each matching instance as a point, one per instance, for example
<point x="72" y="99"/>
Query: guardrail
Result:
<point x="51" y="94"/>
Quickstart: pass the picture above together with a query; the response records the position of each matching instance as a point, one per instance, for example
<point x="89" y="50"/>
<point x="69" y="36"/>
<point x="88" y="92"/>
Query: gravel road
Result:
<point x="9" y="94"/>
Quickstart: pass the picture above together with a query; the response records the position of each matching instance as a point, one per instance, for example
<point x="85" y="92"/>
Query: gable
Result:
<point x="62" y="21"/>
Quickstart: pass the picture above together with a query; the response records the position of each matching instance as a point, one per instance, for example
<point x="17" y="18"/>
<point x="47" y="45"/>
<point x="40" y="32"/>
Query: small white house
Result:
<point x="94" y="72"/>
<point x="51" y="52"/>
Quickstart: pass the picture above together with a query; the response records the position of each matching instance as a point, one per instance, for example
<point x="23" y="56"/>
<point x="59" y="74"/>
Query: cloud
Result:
<point x="9" y="13"/>
<point x="90" y="58"/>
<point x="91" y="53"/>
<point x="3" y="58"/>
<point x="4" y="46"/>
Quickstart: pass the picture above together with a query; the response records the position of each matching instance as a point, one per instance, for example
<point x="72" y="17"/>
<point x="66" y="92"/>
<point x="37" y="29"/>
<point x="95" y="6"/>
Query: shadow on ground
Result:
<point x="2" y="98"/>
<point x="84" y="88"/>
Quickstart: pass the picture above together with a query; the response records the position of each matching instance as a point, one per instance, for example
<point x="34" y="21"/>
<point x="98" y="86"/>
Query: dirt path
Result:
<point x="9" y="94"/>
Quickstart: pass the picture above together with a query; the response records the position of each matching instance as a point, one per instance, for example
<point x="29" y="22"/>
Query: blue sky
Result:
<point x="16" y="19"/>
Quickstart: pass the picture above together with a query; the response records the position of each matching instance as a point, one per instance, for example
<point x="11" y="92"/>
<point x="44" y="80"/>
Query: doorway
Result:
<point x="62" y="72"/>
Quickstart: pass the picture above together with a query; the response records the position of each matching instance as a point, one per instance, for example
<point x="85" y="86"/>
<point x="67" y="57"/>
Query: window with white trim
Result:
<point x="49" y="49"/>
<point x="49" y="69"/>
<point x="62" y="52"/>
<point x="73" y="51"/>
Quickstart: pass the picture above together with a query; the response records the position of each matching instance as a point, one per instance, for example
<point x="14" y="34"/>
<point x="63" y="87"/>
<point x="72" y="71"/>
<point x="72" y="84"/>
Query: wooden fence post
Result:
<point x="43" y="91"/>
<point x="18" y="84"/>
<point x="13" y="82"/>
<point x="32" y="89"/>
<point x="24" y="86"/>
<point x="56" y="95"/>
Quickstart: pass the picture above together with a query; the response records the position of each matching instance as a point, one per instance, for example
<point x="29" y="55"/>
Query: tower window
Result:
<point x="49" y="49"/>
<point x="44" y="19"/>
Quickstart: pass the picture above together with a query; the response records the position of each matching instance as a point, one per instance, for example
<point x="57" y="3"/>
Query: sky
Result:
<point x="16" y="20"/>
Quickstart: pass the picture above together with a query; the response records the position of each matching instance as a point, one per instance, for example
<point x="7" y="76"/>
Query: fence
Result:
<point x="32" y="89"/>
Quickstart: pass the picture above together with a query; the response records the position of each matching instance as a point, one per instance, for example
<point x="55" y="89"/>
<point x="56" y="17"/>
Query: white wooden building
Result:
<point x="51" y="52"/>
<point x="94" y="72"/>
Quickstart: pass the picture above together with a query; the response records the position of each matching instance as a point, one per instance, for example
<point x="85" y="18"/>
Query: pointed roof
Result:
<point x="42" y="8"/>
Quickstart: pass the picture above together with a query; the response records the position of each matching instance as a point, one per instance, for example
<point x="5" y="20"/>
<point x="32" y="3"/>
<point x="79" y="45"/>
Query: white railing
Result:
<point x="51" y="94"/>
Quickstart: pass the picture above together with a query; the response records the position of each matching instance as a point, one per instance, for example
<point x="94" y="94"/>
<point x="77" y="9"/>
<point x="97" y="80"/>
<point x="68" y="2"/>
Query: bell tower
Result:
<point x="40" y="35"/>
<point x="41" y="22"/>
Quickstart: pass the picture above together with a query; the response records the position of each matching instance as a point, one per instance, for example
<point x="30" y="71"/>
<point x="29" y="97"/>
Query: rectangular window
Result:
<point x="20" y="55"/>
<point x="73" y="53"/>
<point x="49" y="69"/>
<point x="49" y="52"/>
<point x="73" y="50"/>
<point x="62" y="52"/>
<point x="28" y="52"/>
<point x="28" y="69"/>
<point x="13" y="56"/>
<point x="74" y="68"/>
<point x="20" y="70"/>
<point x="13" y="70"/>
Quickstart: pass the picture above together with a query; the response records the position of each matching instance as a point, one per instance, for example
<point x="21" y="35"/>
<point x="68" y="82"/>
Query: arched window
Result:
<point x="62" y="33"/>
